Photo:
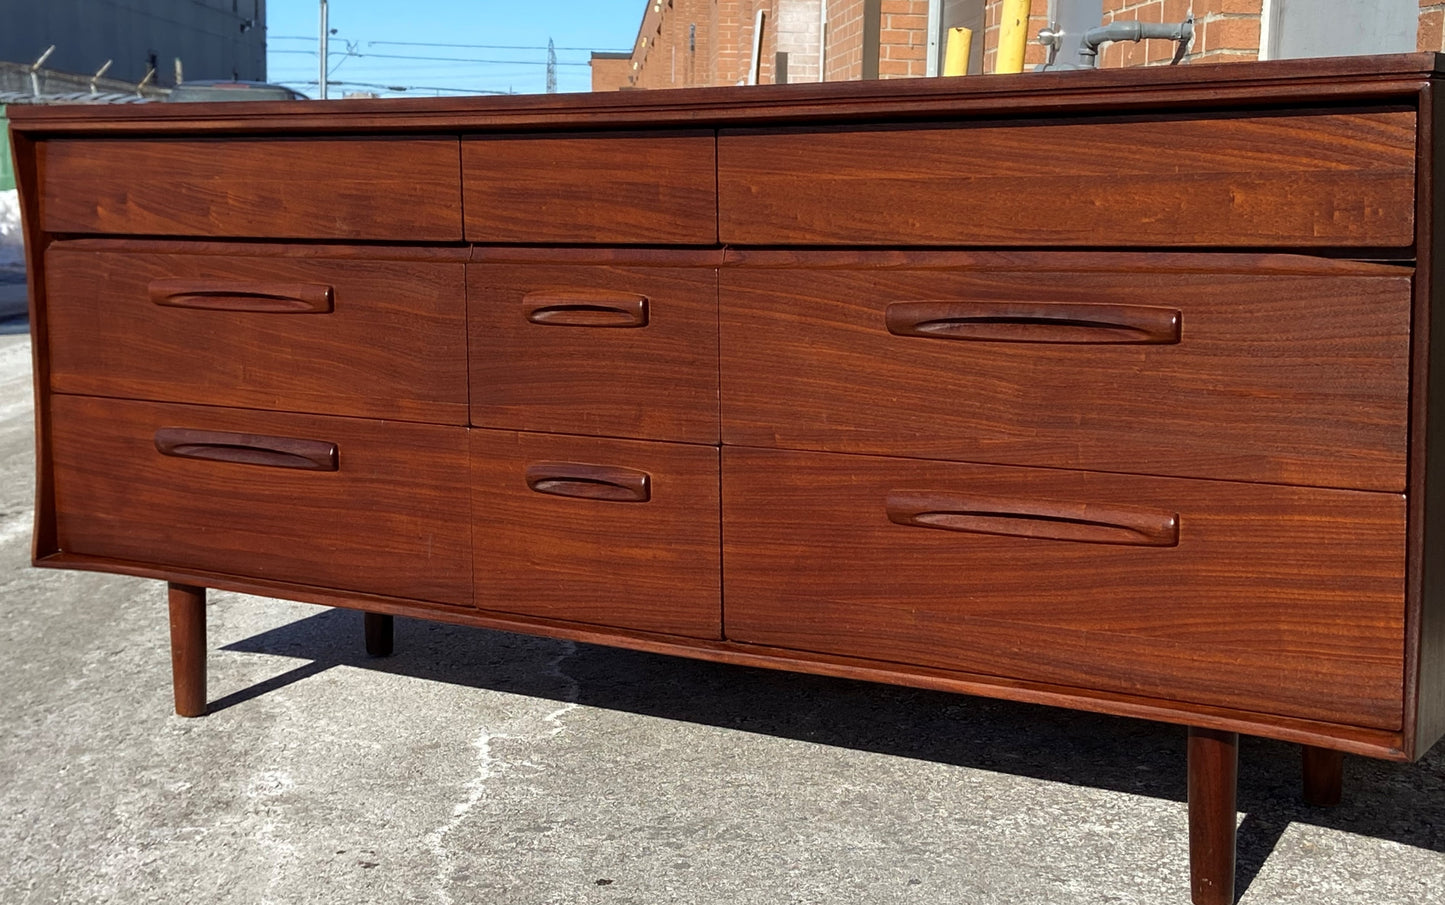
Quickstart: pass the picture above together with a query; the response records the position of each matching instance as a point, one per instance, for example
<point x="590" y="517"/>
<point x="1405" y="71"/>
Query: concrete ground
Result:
<point x="479" y="767"/>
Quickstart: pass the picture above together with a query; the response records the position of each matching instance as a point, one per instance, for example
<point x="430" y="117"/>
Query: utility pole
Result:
<point x="551" y="67"/>
<point x="324" y="31"/>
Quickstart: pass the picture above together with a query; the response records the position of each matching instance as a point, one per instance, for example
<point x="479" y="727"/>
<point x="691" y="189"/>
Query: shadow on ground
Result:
<point x="1404" y="803"/>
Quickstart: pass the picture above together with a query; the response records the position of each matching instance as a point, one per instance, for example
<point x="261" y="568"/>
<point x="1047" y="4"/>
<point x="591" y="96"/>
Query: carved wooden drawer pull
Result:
<point x="585" y="308"/>
<point x="612" y="483"/>
<point x="1035" y="322"/>
<point x="247" y="449"/>
<point x="1083" y="523"/>
<point x="247" y="296"/>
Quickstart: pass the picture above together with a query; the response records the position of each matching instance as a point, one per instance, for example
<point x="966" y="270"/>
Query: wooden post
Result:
<point x="377" y="628"/>
<point x="1324" y="776"/>
<point x="188" y="648"/>
<point x="1213" y="780"/>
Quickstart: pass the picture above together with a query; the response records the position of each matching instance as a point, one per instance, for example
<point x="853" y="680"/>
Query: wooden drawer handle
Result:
<point x="585" y="308"/>
<point x="1035" y="322"/>
<point x="1083" y="523"/>
<point x="233" y="295"/>
<point x="612" y="483"/>
<point x="247" y="449"/>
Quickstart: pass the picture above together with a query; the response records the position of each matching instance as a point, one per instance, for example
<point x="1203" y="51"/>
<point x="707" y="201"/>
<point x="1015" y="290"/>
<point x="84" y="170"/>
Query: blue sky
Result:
<point x="509" y="38"/>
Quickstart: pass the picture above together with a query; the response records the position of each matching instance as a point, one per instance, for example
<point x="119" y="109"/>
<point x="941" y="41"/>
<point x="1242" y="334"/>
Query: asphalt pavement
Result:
<point x="481" y="767"/>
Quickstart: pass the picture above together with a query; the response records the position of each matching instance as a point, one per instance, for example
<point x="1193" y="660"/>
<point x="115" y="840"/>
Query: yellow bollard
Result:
<point x="1013" y="36"/>
<point x="955" y="53"/>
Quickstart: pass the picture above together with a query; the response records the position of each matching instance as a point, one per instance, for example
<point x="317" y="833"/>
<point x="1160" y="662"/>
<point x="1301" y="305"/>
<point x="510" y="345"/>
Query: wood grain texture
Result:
<point x="1213" y="787"/>
<point x="617" y="189"/>
<point x="1425" y="641"/>
<point x="187" y="605"/>
<point x="1352" y="739"/>
<point x="393" y="519"/>
<point x="1309" y="180"/>
<point x="647" y="565"/>
<point x="291" y="188"/>
<point x="394" y="345"/>
<point x="27" y="180"/>
<point x="658" y="381"/>
<point x="1295" y="377"/>
<point x="1276" y="599"/>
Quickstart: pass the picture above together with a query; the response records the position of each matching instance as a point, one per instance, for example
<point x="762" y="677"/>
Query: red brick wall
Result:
<point x="845" y="40"/>
<point x="666" y="53"/>
<point x="903" y="39"/>
<point x="1224" y="30"/>
<point x="1431" y="36"/>
<point x="611" y="75"/>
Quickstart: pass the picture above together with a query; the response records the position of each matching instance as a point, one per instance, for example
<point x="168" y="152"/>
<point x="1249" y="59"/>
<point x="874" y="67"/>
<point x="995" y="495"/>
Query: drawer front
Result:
<point x="595" y="349"/>
<point x="1285" y="370"/>
<point x="1321" y="179"/>
<point x="312" y="188"/>
<point x="624" y="189"/>
<point x="383" y="339"/>
<point x="1270" y="599"/>
<point x="345" y="504"/>
<point x="609" y="532"/>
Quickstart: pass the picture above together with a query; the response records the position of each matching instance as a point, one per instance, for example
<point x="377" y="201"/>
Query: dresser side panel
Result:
<point x="1427" y="514"/>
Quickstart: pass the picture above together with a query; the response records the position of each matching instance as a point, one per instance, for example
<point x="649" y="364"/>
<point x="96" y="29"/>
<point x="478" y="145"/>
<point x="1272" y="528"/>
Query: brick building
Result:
<point x="687" y="43"/>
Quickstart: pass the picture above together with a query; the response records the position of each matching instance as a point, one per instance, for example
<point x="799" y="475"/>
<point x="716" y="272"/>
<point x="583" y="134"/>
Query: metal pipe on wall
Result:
<point x="822" y="40"/>
<point x="1013" y="36"/>
<point x="755" y="67"/>
<point x="321" y="80"/>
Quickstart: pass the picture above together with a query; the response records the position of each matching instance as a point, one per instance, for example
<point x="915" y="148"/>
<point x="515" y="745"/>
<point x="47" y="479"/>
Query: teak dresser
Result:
<point x="1118" y="390"/>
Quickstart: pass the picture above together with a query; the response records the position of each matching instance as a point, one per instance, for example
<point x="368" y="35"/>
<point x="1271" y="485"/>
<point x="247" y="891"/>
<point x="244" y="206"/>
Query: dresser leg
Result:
<point x="1213" y="777"/>
<point x="188" y="648"/>
<point x="377" y="628"/>
<point x="1324" y="776"/>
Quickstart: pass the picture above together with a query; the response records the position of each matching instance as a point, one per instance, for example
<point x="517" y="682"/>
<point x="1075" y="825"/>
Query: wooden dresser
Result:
<point x="1105" y="390"/>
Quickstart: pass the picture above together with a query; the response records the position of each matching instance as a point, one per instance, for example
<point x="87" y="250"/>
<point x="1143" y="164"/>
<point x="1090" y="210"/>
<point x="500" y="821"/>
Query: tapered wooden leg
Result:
<point x="188" y="648"/>
<point x="1213" y="779"/>
<point x="1324" y="776"/>
<point x="378" y="634"/>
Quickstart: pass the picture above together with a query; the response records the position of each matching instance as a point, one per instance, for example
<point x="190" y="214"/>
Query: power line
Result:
<point x="397" y="56"/>
<point x="483" y="46"/>
<point x="396" y="88"/>
<point x="439" y="44"/>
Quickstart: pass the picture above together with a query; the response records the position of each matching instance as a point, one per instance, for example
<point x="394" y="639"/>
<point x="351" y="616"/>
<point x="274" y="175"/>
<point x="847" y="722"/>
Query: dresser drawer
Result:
<point x="1279" y="600"/>
<point x="1282" y="369"/>
<point x="618" y="189"/>
<point x="600" y="348"/>
<point x="256" y="329"/>
<point x="369" y="506"/>
<point x="280" y="188"/>
<point x="1329" y="178"/>
<point x="610" y="532"/>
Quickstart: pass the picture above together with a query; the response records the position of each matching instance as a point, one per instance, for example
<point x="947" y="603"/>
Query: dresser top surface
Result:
<point x="1194" y="86"/>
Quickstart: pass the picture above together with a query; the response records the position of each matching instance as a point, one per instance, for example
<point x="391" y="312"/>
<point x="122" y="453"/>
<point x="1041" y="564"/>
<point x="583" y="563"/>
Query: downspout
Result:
<point x="822" y="40"/>
<point x="935" y="28"/>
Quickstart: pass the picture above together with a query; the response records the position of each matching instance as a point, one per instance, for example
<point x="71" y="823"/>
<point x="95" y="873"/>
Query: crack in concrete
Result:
<point x="525" y="728"/>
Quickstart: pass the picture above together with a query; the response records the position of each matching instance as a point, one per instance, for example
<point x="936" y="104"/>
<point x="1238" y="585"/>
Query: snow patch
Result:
<point x="12" y="251"/>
